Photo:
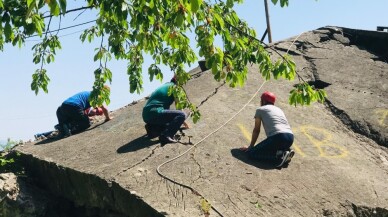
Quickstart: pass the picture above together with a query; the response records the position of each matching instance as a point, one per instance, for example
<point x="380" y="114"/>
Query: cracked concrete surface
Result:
<point x="340" y="167"/>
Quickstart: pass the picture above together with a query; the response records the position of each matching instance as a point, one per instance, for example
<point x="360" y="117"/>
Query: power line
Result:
<point x="63" y="28"/>
<point x="60" y="36"/>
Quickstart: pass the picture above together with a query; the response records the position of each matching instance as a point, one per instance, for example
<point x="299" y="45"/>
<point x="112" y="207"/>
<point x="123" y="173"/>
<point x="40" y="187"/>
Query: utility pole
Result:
<point x="268" y="24"/>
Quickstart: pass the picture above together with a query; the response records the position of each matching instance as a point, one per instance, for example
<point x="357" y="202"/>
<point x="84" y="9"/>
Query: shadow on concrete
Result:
<point x="241" y="155"/>
<point x="48" y="140"/>
<point x="95" y="126"/>
<point x="136" y="144"/>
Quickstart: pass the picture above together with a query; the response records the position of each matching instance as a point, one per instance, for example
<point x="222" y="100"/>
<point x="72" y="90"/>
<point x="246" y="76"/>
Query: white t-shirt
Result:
<point x="273" y="119"/>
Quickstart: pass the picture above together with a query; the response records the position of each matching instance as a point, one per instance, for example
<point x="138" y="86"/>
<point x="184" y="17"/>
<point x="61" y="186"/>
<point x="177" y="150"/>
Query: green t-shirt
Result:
<point x="158" y="101"/>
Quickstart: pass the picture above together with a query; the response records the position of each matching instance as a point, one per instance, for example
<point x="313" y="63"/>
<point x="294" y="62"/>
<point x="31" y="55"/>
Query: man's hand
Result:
<point x="185" y="125"/>
<point x="108" y="118"/>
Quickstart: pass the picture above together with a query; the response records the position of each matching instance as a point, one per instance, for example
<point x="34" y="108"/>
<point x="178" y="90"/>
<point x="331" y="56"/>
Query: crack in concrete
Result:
<point x="138" y="163"/>
<point x="200" y="168"/>
<point x="288" y="51"/>
<point x="313" y="68"/>
<point x="212" y="94"/>
<point x="365" y="129"/>
<point x="302" y="45"/>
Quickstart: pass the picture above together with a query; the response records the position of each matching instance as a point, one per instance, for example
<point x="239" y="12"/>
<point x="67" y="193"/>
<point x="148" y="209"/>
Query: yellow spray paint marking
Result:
<point x="248" y="136"/>
<point x="320" y="143"/>
<point x="245" y="132"/>
<point x="298" y="150"/>
<point x="382" y="118"/>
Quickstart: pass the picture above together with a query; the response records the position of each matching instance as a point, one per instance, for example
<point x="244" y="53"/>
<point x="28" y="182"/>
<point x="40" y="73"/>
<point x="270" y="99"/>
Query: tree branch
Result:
<point x="69" y="11"/>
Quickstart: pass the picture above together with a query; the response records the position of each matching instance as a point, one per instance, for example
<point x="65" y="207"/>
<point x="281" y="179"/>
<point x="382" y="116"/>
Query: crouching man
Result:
<point x="73" y="115"/>
<point x="159" y="117"/>
<point x="276" y="147"/>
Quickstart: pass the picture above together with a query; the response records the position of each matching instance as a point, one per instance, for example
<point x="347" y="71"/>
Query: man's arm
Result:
<point x="185" y="124"/>
<point x="255" y="132"/>
<point x="106" y="113"/>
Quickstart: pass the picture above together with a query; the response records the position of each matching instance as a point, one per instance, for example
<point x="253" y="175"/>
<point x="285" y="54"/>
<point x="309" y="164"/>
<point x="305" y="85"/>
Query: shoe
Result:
<point x="292" y="153"/>
<point x="284" y="158"/>
<point x="166" y="139"/>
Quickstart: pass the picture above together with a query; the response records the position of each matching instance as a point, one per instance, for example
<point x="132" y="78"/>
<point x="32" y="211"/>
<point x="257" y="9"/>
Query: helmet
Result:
<point x="268" y="97"/>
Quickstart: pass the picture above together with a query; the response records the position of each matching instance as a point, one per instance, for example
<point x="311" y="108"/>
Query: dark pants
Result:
<point x="266" y="149"/>
<point x="73" y="117"/>
<point x="171" y="120"/>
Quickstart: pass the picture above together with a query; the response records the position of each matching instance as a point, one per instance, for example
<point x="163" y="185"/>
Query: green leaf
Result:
<point x="63" y="5"/>
<point x="219" y="20"/>
<point x="283" y="3"/>
<point x="8" y="31"/>
<point x="54" y="7"/>
<point x="38" y="22"/>
<point x="179" y="20"/>
<point x="40" y="80"/>
<point x="229" y="3"/>
<point x="31" y="3"/>
<point x="195" y="4"/>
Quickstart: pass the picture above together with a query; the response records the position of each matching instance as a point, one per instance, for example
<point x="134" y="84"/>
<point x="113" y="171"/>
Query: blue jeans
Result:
<point x="172" y="120"/>
<point x="266" y="149"/>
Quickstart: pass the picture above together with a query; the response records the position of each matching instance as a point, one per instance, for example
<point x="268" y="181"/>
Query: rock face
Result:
<point x="340" y="167"/>
<point x="19" y="199"/>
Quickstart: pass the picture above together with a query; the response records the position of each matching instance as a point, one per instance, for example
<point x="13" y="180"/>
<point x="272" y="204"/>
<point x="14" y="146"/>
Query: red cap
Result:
<point x="268" y="97"/>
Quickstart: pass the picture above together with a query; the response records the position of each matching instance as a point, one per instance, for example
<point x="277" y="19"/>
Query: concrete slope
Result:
<point x="340" y="167"/>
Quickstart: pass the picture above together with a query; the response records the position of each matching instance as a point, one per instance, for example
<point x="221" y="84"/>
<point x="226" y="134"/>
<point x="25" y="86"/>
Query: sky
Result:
<point x="23" y="114"/>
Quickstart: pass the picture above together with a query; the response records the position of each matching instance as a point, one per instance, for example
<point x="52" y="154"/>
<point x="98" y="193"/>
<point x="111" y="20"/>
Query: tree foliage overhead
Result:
<point x="130" y="29"/>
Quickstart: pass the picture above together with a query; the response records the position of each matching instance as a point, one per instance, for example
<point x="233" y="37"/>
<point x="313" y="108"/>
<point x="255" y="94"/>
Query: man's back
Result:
<point x="80" y="100"/>
<point x="274" y="120"/>
<point x="158" y="101"/>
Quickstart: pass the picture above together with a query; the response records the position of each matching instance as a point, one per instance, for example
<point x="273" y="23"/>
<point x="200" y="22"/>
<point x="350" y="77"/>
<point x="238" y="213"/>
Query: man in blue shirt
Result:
<point x="157" y="114"/>
<point x="71" y="114"/>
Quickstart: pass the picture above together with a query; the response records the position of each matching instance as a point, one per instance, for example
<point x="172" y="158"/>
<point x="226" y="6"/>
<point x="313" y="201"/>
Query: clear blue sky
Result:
<point x="22" y="113"/>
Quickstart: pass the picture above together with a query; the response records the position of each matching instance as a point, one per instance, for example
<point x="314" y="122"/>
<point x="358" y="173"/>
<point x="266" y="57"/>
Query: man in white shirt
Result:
<point x="276" y="147"/>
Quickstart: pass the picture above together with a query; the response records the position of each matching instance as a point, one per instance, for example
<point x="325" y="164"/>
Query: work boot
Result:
<point x="166" y="139"/>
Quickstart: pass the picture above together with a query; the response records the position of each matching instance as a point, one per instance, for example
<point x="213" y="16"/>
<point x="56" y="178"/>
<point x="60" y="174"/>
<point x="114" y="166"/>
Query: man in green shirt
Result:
<point x="157" y="113"/>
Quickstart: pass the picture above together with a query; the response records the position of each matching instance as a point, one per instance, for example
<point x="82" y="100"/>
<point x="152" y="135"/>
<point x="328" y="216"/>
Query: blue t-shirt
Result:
<point x="158" y="102"/>
<point x="80" y="100"/>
